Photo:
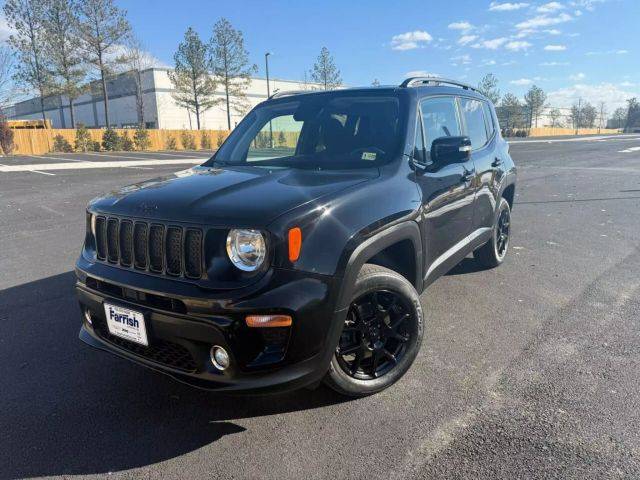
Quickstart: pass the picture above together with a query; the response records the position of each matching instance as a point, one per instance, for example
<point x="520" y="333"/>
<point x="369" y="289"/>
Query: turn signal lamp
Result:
<point x="295" y="243"/>
<point x="266" y="321"/>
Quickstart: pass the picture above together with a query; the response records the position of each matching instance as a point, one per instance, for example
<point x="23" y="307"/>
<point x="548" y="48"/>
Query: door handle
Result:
<point x="497" y="162"/>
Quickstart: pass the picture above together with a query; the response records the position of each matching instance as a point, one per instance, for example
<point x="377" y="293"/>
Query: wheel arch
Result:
<point x="398" y="248"/>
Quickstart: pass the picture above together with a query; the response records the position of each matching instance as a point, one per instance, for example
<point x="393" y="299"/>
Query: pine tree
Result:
<point x="229" y="62"/>
<point x="194" y="88"/>
<point x="64" y="50"/>
<point x="103" y="26"/>
<point x="325" y="71"/>
<point x="26" y="18"/>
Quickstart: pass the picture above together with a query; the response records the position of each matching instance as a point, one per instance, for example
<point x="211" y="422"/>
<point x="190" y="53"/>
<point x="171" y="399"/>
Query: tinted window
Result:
<point x="278" y="138"/>
<point x="332" y="130"/>
<point x="474" y="120"/>
<point x="418" y="151"/>
<point x="488" y="118"/>
<point x="440" y="119"/>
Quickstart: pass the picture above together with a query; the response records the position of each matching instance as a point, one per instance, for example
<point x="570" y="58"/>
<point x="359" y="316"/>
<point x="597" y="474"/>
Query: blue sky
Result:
<point x="570" y="48"/>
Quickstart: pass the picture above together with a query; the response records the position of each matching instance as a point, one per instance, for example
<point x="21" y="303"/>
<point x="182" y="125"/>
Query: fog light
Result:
<point x="219" y="357"/>
<point x="87" y="316"/>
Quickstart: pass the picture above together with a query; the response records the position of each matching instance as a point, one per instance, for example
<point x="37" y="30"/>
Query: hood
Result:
<point x="232" y="196"/>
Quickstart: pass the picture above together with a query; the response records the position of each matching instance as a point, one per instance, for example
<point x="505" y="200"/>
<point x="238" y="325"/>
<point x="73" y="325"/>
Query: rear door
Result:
<point x="447" y="192"/>
<point x="480" y="127"/>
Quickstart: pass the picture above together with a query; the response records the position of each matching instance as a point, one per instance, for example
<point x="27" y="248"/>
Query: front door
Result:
<point x="448" y="191"/>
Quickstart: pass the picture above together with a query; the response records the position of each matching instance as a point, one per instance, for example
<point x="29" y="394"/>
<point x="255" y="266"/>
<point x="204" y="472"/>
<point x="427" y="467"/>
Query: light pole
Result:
<point x="266" y="65"/>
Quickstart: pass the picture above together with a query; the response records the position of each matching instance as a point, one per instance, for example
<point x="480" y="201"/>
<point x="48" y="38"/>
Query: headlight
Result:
<point x="246" y="249"/>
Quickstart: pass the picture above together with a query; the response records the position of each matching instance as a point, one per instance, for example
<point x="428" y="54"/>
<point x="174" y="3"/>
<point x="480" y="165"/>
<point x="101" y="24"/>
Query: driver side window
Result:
<point x="439" y="119"/>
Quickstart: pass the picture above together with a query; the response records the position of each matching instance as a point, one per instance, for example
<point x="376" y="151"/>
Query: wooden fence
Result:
<point x="550" y="132"/>
<point x="39" y="141"/>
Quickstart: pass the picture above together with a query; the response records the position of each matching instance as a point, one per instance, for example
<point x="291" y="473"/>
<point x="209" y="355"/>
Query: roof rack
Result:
<point x="421" y="81"/>
<point x="287" y="93"/>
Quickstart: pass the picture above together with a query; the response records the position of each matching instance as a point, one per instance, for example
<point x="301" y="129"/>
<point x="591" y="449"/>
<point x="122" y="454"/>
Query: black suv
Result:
<point x="297" y="253"/>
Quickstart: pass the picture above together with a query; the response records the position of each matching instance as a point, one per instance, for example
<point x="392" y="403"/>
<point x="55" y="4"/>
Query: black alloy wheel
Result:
<point x="375" y="335"/>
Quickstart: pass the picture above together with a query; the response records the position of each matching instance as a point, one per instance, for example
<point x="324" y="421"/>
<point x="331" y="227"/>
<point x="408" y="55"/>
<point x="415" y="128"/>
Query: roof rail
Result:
<point x="420" y="81"/>
<point x="287" y="93"/>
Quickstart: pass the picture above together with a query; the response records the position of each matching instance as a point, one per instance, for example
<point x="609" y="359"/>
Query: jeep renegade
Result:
<point x="298" y="252"/>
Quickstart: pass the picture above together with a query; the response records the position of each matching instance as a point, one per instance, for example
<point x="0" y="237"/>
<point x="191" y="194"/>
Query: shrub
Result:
<point x="111" y="141"/>
<point x="83" y="139"/>
<point x="205" y="141"/>
<point x="171" y="143"/>
<point x="94" y="146"/>
<point x="6" y="137"/>
<point x="61" y="144"/>
<point x="188" y="142"/>
<point x="282" y="140"/>
<point x="141" y="138"/>
<point x="127" y="143"/>
<point x="220" y="139"/>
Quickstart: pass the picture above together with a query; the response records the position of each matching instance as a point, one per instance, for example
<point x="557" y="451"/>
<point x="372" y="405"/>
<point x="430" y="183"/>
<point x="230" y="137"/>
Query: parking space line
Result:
<point x="55" y="158"/>
<point x="89" y="165"/>
<point x="130" y="157"/>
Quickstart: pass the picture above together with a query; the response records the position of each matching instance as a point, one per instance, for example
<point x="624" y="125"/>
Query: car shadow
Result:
<point x="70" y="410"/>
<point x="467" y="265"/>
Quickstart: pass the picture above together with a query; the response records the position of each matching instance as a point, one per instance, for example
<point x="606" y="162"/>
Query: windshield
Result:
<point x="325" y="131"/>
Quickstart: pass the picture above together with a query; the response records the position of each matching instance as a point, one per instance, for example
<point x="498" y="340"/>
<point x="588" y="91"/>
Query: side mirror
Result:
<point x="447" y="150"/>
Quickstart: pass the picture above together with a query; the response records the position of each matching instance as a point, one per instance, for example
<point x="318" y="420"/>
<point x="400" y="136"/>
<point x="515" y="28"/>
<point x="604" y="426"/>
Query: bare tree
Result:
<point x="229" y="62"/>
<point x="102" y="27"/>
<point x="194" y="88"/>
<point x="488" y="86"/>
<point x="603" y="115"/>
<point x="7" y="85"/>
<point x="325" y="71"/>
<point x="555" y="115"/>
<point x="32" y="70"/>
<point x="64" y="50"/>
<point x="535" y="100"/>
<point x="134" y="60"/>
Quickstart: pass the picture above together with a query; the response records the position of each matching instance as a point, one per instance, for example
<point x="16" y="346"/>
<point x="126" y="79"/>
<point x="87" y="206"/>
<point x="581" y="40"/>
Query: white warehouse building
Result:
<point x="160" y="109"/>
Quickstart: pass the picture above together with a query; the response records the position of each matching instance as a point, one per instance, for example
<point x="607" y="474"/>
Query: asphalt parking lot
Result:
<point x="531" y="370"/>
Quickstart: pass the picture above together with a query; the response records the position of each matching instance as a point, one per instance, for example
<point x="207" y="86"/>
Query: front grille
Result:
<point x="166" y="250"/>
<point x="160" y="351"/>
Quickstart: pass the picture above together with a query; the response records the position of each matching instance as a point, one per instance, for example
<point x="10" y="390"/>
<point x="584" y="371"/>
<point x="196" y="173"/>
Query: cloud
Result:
<point x="611" y="94"/>
<point x="544" y="21"/>
<point x="577" y="77"/>
<point x="550" y="7"/>
<point x="465" y="39"/>
<point x="555" y="48"/>
<point x="553" y="31"/>
<point x="5" y="29"/>
<point x="586" y="4"/>
<point x="147" y="59"/>
<point x="410" y="40"/>
<point x="627" y="84"/>
<point x="553" y="64"/>
<point x="493" y="44"/>
<point x="488" y="63"/>
<point x="516" y="46"/>
<point x="462" y="25"/>
<point x="507" y="6"/>
<point x="461" y="59"/>
<point x="523" y="82"/>
<point x="608" y="52"/>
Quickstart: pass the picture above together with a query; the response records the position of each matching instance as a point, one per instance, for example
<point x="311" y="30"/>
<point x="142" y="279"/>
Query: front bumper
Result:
<point x="184" y="321"/>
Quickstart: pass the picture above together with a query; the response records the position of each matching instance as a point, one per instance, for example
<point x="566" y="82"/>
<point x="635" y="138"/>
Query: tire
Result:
<point x="385" y="318"/>
<point x="493" y="253"/>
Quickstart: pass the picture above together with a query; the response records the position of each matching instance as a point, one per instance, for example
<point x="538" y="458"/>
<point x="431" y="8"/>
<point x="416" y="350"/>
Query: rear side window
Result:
<point x="488" y="119"/>
<point x="474" y="120"/>
<point x="439" y="119"/>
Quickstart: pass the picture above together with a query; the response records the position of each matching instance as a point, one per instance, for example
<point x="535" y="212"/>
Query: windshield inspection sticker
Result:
<point x="368" y="155"/>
